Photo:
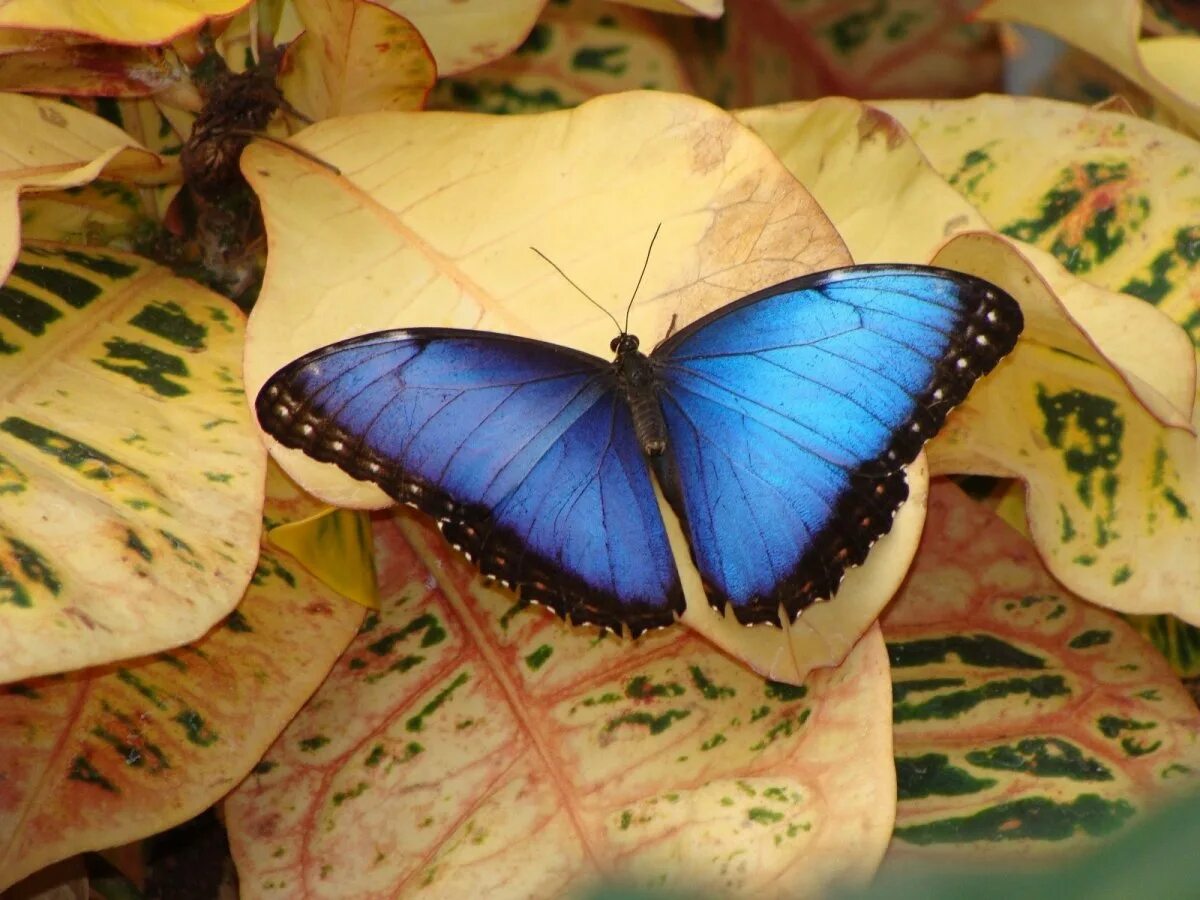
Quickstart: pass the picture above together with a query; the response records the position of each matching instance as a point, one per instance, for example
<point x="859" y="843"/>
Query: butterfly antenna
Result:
<point x="577" y="287"/>
<point x="625" y="330"/>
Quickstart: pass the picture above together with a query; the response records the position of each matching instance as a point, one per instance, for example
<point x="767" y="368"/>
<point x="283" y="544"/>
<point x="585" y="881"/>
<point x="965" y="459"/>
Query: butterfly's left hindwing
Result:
<point x="792" y="413"/>
<point x="523" y="451"/>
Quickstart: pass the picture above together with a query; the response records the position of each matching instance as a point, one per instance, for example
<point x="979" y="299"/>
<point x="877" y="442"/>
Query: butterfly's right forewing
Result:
<point x="522" y="450"/>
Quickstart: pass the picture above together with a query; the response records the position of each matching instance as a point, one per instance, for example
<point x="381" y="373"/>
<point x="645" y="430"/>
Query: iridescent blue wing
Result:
<point x="524" y="452"/>
<point x="792" y="413"/>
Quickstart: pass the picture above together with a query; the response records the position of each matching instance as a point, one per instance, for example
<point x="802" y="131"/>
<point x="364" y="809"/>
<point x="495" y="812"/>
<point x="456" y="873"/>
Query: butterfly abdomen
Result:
<point x="638" y="387"/>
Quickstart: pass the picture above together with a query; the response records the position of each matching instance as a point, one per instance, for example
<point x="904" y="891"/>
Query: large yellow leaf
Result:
<point x="432" y="222"/>
<point x="355" y="57"/>
<point x="107" y="755"/>
<point x="117" y="21"/>
<point x="464" y="746"/>
<point x="1114" y="522"/>
<point x="577" y="50"/>
<point x="132" y="476"/>
<point x="1027" y="721"/>
<point x="1165" y="67"/>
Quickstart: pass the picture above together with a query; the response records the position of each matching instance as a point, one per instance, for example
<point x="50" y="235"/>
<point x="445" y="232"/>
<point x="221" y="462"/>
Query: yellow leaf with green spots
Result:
<point x="493" y="751"/>
<point x="355" y="57"/>
<point x="1163" y="66"/>
<point x="1111" y="488"/>
<point x="130" y="472"/>
<point x="1027" y="721"/>
<point x="393" y="232"/>
<point x="578" y="49"/>
<point x="1115" y="199"/>
<point x="111" y="754"/>
<point x="118" y="21"/>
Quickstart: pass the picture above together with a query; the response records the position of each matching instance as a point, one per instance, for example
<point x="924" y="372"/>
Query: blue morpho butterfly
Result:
<point x="778" y="426"/>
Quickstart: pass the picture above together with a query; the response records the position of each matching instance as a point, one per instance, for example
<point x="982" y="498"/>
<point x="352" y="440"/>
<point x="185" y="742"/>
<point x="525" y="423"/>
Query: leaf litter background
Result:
<point x="1139" y="723"/>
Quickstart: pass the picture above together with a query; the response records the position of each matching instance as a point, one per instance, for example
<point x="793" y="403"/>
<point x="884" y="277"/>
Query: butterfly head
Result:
<point x="624" y="343"/>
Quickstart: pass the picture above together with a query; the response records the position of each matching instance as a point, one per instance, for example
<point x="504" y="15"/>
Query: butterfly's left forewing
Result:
<point x="792" y="413"/>
<point x="522" y="450"/>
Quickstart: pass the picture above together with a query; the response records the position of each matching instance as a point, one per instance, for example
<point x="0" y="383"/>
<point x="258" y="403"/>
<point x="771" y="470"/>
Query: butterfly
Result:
<point x="778" y="427"/>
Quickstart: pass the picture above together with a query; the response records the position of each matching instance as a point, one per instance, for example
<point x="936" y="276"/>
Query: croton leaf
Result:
<point x="355" y="57"/>
<point x="391" y="231"/>
<point x="1114" y="201"/>
<point x="577" y="50"/>
<point x="1026" y="720"/>
<point x="770" y="51"/>
<point x="129" y="22"/>
<point x="48" y="145"/>
<point x="131" y="474"/>
<point x="469" y="745"/>
<point x="110" y="754"/>
<point x="463" y="34"/>
<point x="1164" y="66"/>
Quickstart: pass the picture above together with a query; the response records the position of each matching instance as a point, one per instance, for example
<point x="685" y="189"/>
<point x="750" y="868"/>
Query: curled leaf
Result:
<point x="1165" y="67"/>
<point x="45" y="145"/>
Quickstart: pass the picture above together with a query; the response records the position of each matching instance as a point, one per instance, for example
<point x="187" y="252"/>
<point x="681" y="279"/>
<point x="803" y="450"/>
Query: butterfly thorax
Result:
<point x="636" y="377"/>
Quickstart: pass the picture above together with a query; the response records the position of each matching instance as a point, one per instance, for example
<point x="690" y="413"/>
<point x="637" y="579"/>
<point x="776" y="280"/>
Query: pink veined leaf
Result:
<point x="1028" y="722"/>
<point x="470" y="746"/>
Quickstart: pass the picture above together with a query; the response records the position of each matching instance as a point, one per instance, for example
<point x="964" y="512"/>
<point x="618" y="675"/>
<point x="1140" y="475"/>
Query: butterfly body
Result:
<point x="635" y="372"/>
<point x="778" y="427"/>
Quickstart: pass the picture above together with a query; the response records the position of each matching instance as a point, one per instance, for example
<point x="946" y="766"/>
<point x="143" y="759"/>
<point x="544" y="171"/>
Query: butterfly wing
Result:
<point x="792" y="413"/>
<point x="524" y="452"/>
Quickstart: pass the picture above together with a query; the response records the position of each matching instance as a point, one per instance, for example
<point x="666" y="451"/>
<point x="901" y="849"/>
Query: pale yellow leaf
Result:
<point x="1165" y="67"/>
<point x="1085" y="349"/>
<point x="355" y="57"/>
<point x="463" y="34"/>
<point x="1112" y="491"/>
